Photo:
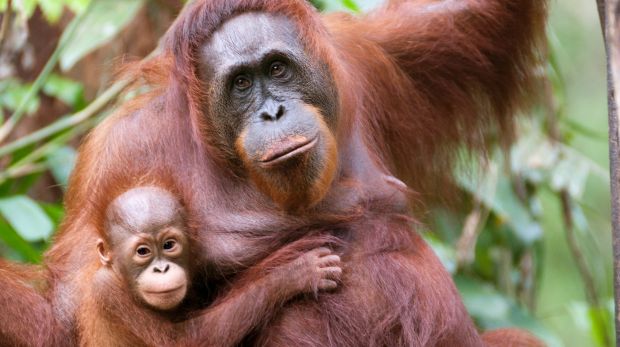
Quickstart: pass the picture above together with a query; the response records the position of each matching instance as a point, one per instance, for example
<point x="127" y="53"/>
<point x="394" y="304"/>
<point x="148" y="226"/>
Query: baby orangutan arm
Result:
<point x="262" y="291"/>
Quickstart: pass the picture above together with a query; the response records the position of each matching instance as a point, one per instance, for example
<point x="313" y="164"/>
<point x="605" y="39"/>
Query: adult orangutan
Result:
<point x="276" y="122"/>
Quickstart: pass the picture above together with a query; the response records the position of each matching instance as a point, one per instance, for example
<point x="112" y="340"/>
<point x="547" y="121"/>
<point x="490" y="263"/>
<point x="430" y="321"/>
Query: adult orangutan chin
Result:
<point x="275" y="123"/>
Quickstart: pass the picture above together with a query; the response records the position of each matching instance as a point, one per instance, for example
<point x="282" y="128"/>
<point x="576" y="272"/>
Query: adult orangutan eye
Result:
<point x="277" y="69"/>
<point x="242" y="82"/>
<point x="143" y="251"/>
<point x="169" y="245"/>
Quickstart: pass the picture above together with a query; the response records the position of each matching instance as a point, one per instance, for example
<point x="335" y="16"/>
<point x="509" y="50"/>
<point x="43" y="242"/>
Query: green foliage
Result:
<point x="20" y="249"/>
<point x="52" y="9"/>
<point x="68" y="91"/>
<point x="13" y="93"/>
<point x="353" y="6"/>
<point x="26" y="217"/>
<point x="61" y="163"/>
<point x="492" y="309"/>
<point x="104" y="20"/>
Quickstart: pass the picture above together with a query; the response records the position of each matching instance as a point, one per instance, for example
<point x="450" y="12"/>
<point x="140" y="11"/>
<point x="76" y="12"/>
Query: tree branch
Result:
<point x="608" y="13"/>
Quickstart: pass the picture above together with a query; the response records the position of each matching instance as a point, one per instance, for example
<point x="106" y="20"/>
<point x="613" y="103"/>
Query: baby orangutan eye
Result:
<point x="143" y="251"/>
<point x="169" y="245"/>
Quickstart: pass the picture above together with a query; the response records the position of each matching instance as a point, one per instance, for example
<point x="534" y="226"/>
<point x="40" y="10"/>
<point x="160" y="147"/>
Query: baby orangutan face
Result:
<point x="147" y="246"/>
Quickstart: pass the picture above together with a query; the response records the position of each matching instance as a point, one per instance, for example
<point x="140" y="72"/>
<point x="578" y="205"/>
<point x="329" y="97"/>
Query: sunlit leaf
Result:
<point x="26" y="217"/>
<point x="52" y="9"/>
<point x="105" y="19"/>
<point x="77" y="6"/>
<point x="333" y="6"/>
<point x="61" y="163"/>
<point x="351" y="5"/>
<point x="336" y="5"/>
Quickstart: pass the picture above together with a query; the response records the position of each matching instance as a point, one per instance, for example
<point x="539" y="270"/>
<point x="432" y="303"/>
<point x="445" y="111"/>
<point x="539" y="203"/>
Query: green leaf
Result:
<point x="515" y="213"/>
<point x="61" y="163"/>
<point x="26" y="217"/>
<point x="583" y="130"/>
<point x="68" y="91"/>
<point x="17" y="243"/>
<point x="55" y="211"/>
<point x="496" y="193"/>
<point x="579" y="217"/>
<point x="594" y="321"/>
<point x="446" y="254"/>
<point x="354" y="6"/>
<point x="104" y="19"/>
<point x="536" y="159"/>
<point x="12" y="92"/>
<point x="570" y="174"/>
<point x="77" y="6"/>
<point x="351" y="5"/>
<point x="493" y="310"/>
<point x="335" y="6"/>
<point x="23" y="184"/>
<point x="533" y="156"/>
<point x="52" y="9"/>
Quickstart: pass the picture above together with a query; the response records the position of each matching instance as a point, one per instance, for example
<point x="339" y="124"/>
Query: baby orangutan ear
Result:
<point x="104" y="252"/>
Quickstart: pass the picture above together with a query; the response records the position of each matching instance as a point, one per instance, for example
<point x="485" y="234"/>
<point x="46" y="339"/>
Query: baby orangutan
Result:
<point x="139" y="292"/>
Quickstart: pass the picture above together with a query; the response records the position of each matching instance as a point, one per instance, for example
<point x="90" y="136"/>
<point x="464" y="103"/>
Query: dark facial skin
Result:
<point x="271" y="107"/>
<point x="147" y="246"/>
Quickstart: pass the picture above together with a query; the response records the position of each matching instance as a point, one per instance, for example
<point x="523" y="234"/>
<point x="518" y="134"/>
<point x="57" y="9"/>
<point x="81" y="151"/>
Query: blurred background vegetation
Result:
<point x="528" y="244"/>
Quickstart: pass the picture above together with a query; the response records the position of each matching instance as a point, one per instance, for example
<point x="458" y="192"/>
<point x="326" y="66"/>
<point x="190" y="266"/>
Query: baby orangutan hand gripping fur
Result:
<point x="139" y="294"/>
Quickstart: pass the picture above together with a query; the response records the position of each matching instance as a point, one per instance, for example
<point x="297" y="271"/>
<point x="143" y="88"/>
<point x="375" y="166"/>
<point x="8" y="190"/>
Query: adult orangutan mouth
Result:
<point x="287" y="150"/>
<point x="166" y="291"/>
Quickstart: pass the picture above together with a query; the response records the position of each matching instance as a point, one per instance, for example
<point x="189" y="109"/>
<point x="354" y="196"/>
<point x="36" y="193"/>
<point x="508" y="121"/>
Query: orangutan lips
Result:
<point x="287" y="148"/>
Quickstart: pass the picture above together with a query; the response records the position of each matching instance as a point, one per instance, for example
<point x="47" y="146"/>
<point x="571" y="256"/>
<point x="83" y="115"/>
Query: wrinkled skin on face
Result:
<point x="271" y="107"/>
<point x="147" y="246"/>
